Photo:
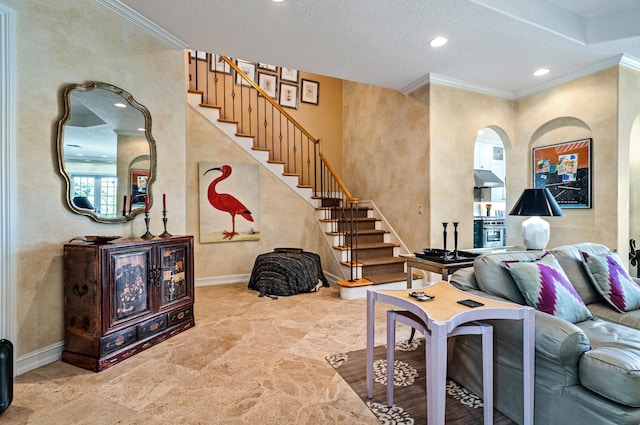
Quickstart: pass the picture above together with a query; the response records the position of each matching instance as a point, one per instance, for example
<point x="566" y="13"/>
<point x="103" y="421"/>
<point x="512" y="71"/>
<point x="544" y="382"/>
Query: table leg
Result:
<point x="437" y="363"/>
<point x="487" y="374"/>
<point x="528" y="364"/>
<point x="370" y="341"/>
<point x="391" y="345"/>
<point x="445" y="274"/>
<point x="409" y="276"/>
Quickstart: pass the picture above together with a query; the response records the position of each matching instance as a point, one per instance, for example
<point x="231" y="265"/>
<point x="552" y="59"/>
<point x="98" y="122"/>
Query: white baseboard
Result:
<point x="221" y="280"/>
<point x="243" y="278"/>
<point x="39" y="358"/>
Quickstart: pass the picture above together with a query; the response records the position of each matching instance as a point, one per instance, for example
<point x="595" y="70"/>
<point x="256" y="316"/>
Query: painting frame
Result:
<point x="289" y="74"/>
<point x="268" y="83"/>
<point x="198" y="54"/>
<point x="288" y="95"/>
<point x="309" y="91"/>
<point x="566" y="170"/>
<point x="267" y="67"/>
<point x="217" y="64"/>
<point x="241" y="183"/>
<point x="249" y="69"/>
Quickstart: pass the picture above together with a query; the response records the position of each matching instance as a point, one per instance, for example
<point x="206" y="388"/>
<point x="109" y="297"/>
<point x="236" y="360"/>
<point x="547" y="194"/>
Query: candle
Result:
<point x="124" y="205"/>
<point x="130" y="204"/>
<point x="164" y="202"/>
<point x="146" y="203"/>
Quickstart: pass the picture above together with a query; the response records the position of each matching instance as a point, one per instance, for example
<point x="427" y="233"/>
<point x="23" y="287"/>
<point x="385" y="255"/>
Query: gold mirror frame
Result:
<point x="125" y="213"/>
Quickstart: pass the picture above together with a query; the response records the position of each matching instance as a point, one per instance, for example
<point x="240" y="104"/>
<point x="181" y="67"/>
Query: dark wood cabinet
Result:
<point x="125" y="296"/>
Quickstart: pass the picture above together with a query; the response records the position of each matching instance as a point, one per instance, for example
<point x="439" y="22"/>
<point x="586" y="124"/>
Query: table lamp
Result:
<point x="535" y="203"/>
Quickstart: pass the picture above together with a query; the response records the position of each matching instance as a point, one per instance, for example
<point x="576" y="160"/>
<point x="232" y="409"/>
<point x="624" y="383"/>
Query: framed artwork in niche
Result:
<point x="229" y="196"/>
<point x="198" y="54"/>
<point x="565" y="169"/>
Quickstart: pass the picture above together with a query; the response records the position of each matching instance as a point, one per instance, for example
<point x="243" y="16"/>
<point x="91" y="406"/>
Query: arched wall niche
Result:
<point x="634" y="187"/>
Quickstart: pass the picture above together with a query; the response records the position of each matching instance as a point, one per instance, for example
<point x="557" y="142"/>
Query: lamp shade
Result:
<point x="536" y="202"/>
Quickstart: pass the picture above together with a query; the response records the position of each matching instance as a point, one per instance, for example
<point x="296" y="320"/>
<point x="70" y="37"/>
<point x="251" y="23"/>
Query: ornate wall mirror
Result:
<point x="106" y="153"/>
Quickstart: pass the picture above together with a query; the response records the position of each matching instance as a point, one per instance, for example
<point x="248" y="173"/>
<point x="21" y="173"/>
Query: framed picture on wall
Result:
<point x="219" y="65"/>
<point x="249" y="69"/>
<point x="309" y="92"/>
<point x="289" y="95"/>
<point x="288" y="74"/>
<point x="565" y="169"/>
<point x="198" y="54"/>
<point x="268" y="83"/>
<point x="267" y="67"/>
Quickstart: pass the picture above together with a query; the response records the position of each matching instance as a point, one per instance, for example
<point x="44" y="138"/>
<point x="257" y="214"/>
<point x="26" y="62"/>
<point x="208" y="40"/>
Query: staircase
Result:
<point x="364" y="244"/>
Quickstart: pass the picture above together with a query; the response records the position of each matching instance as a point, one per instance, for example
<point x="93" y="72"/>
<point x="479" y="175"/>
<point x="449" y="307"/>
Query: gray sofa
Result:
<point x="586" y="372"/>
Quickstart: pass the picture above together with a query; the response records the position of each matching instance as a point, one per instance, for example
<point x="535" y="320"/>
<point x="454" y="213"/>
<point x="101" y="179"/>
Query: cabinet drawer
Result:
<point x="117" y="341"/>
<point x="180" y="315"/>
<point x="152" y="326"/>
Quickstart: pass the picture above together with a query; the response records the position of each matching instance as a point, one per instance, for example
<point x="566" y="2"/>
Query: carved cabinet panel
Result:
<point x="125" y="296"/>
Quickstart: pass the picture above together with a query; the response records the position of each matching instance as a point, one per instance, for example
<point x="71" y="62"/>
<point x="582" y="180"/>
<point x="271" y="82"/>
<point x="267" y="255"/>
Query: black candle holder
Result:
<point x="444" y="235"/>
<point x="455" y="240"/>
<point x="165" y="234"/>
<point x="147" y="234"/>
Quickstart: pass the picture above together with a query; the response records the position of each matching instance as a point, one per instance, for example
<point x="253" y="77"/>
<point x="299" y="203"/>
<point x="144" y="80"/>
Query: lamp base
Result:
<point x="535" y="233"/>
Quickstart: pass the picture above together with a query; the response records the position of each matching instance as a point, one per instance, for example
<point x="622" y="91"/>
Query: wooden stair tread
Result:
<point x="387" y="278"/>
<point x="261" y="149"/>
<point x="356" y="283"/>
<point x="291" y="174"/>
<point x="380" y="261"/>
<point x="374" y="245"/>
<point x="304" y="186"/>
<point x="206" y="105"/>
<point x="228" y="121"/>
<point x="247" y="135"/>
<point x="195" y="91"/>
<point x="361" y="232"/>
<point x="330" y="208"/>
<point x="271" y="161"/>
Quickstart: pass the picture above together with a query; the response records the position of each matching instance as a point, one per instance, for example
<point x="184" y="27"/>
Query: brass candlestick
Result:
<point x="147" y="234"/>
<point x="165" y="234"/>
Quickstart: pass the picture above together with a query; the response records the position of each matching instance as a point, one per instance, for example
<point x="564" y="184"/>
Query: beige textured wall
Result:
<point x="286" y="219"/>
<point x="456" y="117"/>
<point x="74" y="41"/>
<point x="386" y="151"/>
<point x="585" y="107"/>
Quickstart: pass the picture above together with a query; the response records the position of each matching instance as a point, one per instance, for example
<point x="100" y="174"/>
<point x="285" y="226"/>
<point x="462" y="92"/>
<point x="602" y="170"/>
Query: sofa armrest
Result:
<point x="560" y="341"/>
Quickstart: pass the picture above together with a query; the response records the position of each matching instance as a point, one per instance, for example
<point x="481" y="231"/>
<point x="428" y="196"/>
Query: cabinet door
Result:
<point x="129" y="285"/>
<point x="175" y="275"/>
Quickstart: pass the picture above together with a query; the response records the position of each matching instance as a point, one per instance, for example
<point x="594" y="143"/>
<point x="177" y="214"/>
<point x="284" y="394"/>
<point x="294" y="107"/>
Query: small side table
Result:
<point x="441" y="317"/>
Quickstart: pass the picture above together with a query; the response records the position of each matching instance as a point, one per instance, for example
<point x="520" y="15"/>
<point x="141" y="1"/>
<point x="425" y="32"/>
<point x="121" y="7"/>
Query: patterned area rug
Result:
<point x="410" y="406"/>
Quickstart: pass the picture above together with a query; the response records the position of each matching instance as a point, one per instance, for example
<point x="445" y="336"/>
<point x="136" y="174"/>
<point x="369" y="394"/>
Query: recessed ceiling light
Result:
<point x="438" y="41"/>
<point x="120" y="105"/>
<point x="140" y="129"/>
<point x="541" y="71"/>
<point x="277" y="1"/>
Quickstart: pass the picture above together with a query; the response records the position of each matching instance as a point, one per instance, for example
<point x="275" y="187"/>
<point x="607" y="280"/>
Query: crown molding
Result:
<point x="132" y="16"/>
<point x="625" y="60"/>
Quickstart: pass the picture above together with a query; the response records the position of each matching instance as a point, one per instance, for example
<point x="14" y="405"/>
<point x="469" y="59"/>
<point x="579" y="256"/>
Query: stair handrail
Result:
<point x="339" y="181"/>
<point x="269" y="99"/>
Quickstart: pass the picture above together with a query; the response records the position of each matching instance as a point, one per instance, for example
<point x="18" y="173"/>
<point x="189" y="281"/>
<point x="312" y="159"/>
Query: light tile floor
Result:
<point x="248" y="360"/>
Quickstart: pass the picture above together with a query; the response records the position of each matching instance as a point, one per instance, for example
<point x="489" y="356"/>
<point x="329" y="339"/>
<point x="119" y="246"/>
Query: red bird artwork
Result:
<point x="226" y="202"/>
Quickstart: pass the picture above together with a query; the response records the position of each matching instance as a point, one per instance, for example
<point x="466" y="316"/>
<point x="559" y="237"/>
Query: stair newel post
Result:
<point x="355" y="247"/>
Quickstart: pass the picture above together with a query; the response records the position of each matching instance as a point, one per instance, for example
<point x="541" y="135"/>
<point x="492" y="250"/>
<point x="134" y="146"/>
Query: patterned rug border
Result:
<point x="463" y="406"/>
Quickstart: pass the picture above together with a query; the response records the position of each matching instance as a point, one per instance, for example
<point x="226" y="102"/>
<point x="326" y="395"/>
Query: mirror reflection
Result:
<point x="105" y="152"/>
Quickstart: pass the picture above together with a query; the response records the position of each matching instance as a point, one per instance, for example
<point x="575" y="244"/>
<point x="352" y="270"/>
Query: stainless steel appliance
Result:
<point x="489" y="232"/>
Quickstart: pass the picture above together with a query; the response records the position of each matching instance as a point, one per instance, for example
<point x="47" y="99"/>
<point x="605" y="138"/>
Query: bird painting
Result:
<point x="226" y="202"/>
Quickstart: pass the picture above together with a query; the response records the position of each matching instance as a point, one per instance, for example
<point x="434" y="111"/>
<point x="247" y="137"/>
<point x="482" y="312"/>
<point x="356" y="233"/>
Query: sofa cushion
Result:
<point x="545" y="287"/>
<point x="604" y="311"/>
<point x="614" y="373"/>
<point x="494" y="279"/>
<point x="612" y="280"/>
<point x="570" y="259"/>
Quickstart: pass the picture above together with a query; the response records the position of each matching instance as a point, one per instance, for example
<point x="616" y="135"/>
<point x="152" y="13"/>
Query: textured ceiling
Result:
<point x="494" y="45"/>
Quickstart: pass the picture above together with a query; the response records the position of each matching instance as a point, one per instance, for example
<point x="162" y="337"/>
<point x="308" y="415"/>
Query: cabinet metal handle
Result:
<point x="80" y="292"/>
